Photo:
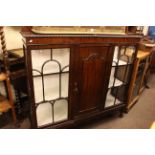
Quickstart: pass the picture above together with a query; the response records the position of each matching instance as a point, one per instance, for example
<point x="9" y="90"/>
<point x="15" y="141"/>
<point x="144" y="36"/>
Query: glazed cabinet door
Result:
<point x="88" y="79"/>
<point x="49" y="84"/>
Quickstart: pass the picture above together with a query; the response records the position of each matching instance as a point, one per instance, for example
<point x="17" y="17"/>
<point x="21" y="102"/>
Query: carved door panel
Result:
<point x="89" y="76"/>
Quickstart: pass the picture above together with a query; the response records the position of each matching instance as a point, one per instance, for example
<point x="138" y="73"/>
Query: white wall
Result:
<point x="13" y="37"/>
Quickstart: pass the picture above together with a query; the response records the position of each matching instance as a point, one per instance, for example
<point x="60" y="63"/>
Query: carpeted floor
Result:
<point x="140" y="116"/>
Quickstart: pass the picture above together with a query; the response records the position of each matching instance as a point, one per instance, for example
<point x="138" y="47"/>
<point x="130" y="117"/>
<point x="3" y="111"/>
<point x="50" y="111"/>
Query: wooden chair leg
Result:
<point x="11" y="100"/>
<point x="6" y="64"/>
<point x="14" y="116"/>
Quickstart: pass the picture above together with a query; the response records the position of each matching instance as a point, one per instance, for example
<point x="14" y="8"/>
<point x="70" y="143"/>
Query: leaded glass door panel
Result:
<point x="120" y="76"/>
<point x="50" y="72"/>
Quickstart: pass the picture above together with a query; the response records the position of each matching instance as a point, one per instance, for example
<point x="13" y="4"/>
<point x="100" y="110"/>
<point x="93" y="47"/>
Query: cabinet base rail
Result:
<point x="91" y="117"/>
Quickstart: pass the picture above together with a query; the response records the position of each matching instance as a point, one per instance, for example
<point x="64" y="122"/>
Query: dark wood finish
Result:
<point x="90" y="66"/>
<point x="91" y="61"/>
<point x="30" y="89"/>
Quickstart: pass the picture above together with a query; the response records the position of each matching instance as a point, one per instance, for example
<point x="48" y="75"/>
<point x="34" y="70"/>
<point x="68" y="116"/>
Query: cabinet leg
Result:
<point x="146" y="86"/>
<point x="121" y="113"/>
<point x="126" y="111"/>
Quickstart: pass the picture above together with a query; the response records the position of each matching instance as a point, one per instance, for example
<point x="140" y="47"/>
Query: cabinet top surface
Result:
<point x="75" y="31"/>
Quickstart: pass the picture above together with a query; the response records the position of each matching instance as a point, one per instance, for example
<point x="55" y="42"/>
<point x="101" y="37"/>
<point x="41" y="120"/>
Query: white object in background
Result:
<point x="145" y="30"/>
<point x="118" y="63"/>
<point x="111" y="82"/>
<point x="111" y="99"/>
<point x="149" y="45"/>
<point x="115" y="57"/>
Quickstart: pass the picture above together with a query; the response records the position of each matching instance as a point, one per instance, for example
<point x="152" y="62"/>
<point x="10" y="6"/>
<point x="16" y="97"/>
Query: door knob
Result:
<point x="75" y="87"/>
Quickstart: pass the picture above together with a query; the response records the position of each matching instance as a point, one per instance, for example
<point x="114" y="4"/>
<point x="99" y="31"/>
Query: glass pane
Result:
<point x="61" y="55"/>
<point x="127" y="53"/>
<point x="44" y="114"/>
<point x="51" y="81"/>
<point x="123" y="73"/>
<point x="120" y="92"/>
<point x="110" y="100"/>
<point x="120" y="75"/>
<point x="123" y="55"/>
<point x="39" y="57"/>
<point x="113" y="80"/>
<point x="51" y="87"/>
<point x="137" y="85"/>
<point x="38" y="89"/>
<point x="60" y="110"/>
<point x="51" y="67"/>
<point x="65" y="84"/>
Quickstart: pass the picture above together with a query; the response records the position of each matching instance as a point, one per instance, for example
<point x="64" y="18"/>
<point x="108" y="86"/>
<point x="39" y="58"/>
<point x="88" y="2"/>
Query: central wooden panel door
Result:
<point x="90" y="72"/>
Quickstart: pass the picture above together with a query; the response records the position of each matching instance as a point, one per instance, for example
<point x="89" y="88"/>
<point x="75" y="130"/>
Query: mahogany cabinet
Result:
<point x="73" y="78"/>
<point x="89" y="77"/>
